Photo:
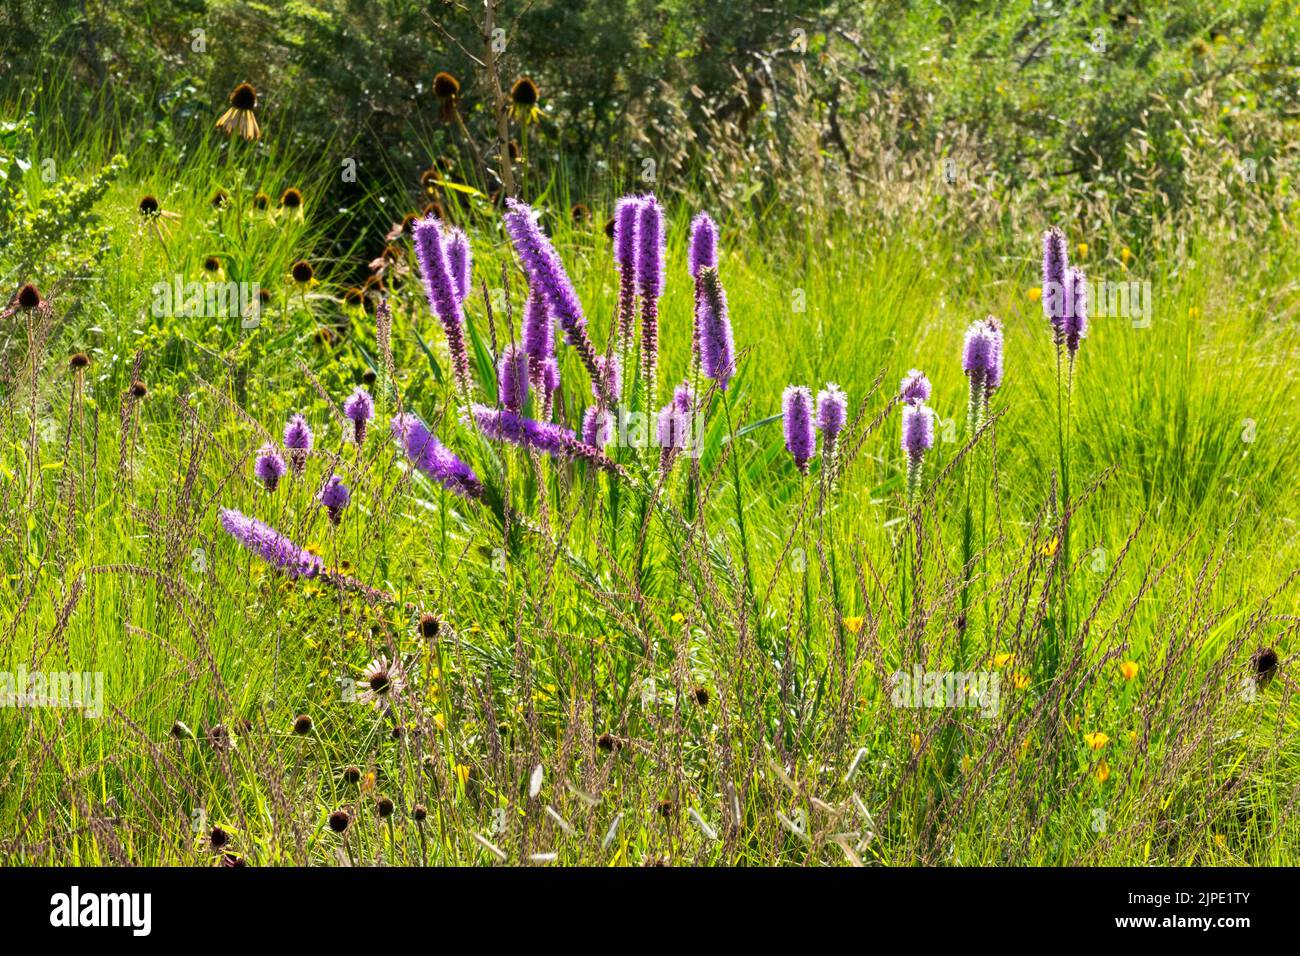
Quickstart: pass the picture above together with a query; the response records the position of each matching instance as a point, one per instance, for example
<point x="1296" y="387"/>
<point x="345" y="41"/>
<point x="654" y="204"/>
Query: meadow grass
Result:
<point x="601" y="629"/>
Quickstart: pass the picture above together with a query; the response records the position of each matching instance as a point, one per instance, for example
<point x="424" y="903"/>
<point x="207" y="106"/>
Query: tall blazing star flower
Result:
<point x="546" y="274"/>
<point x="797" y="418"/>
<point x="550" y="385"/>
<point x="612" y="370"/>
<point x="512" y="377"/>
<point x="626" y="218"/>
<point x="270" y="545"/>
<point x="703" y="254"/>
<point x="298" y="441"/>
<point x="717" y="347"/>
<point x="1056" y="261"/>
<point x="359" y="407"/>
<point x="672" y="433"/>
<point x="1075" y="326"/>
<point x="915" y="387"/>
<point x="443" y="292"/>
<point x="334" y="497"/>
<point x="269" y="467"/>
<point x="459" y="261"/>
<point x="918" y="438"/>
<point x="597" y="427"/>
<point x="650" y="286"/>
<point x="431" y="457"/>
<point x="981" y="361"/>
<point x="553" y="440"/>
<point x="832" y="411"/>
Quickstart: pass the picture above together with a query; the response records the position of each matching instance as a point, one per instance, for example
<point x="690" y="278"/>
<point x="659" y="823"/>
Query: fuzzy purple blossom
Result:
<point x="1056" y="261"/>
<point x="703" y="253"/>
<point x="334" y="497"/>
<point x="550" y="377"/>
<point x="650" y="285"/>
<point x="546" y="437"/>
<point x="915" y="387"/>
<point x="269" y="467"/>
<point x="459" y="261"/>
<point x="832" y="411"/>
<point x="512" y="377"/>
<point x="684" y="398"/>
<point x="797" y="418"/>
<point x="298" y="441"/>
<point x="1075" y="326"/>
<point x="612" y="370"/>
<point x="431" y="457"/>
<point x="442" y="291"/>
<point x="360" y="408"/>
<point x="917" y="439"/>
<point x="672" y="433"/>
<point x="626" y="215"/>
<point x="538" y="329"/>
<point x="270" y="545"/>
<point x="717" y="346"/>
<point x="597" y="427"/>
<point x="981" y="360"/>
<point x="546" y="274"/>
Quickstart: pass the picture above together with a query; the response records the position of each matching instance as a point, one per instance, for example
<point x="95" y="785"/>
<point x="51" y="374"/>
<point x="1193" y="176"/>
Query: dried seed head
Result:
<point x="701" y="696"/>
<point x="428" y="626"/>
<point x="1265" y="664"/>
<point x="384" y="806"/>
<point x="211" y="264"/>
<point x="218" y="838"/>
<point x="78" y="360"/>
<point x="29" y="297"/>
<point x="302" y="725"/>
<point x="368" y="376"/>
<point x="261" y="200"/>
<point x="352" y="775"/>
<point x="607" y="742"/>
<point x="148" y="206"/>
<point x="418" y="813"/>
<point x="139" y="389"/>
<point x="302" y="272"/>
<point x="219" y="199"/>
<point x="230" y="859"/>
<point x="665" y="808"/>
<point x="339" y="820"/>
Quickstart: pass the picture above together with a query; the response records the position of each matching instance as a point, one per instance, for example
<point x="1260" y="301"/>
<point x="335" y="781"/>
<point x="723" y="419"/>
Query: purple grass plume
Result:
<point x="597" y="427"/>
<point x="650" y="286"/>
<point x="269" y="467"/>
<point x="512" y="377"/>
<point x="918" y="438"/>
<point x="915" y="387"/>
<point x="1056" y="262"/>
<point x="431" y="457"/>
<point x="832" y="412"/>
<point x="360" y="408"/>
<point x="460" y="261"/>
<point x="442" y="291"/>
<point x="717" y="346"/>
<point x="334" y="497"/>
<point x="627" y="214"/>
<point x="546" y="437"/>
<point x="1075" y="327"/>
<point x="298" y="441"/>
<point x="797" y="417"/>
<point x="546" y="274"/>
<point x="270" y="545"/>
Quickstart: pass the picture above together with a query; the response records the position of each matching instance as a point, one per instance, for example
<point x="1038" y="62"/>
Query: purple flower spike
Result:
<point x="1075" y="327"/>
<point x="704" y="245"/>
<point x="612" y="370"/>
<point x="360" y="408"/>
<point x="539" y="330"/>
<point x="650" y="284"/>
<point x="554" y="440"/>
<point x="717" y="347"/>
<point x="298" y="440"/>
<point x="512" y="377"/>
<point x="797" y="415"/>
<point x="546" y="274"/>
<point x="914" y="388"/>
<point x="981" y="360"/>
<point x="918" y="438"/>
<point x="460" y="261"/>
<point x="597" y="427"/>
<point x="626" y="216"/>
<point x="440" y="286"/>
<point x="1056" y="260"/>
<point x="672" y="433"/>
<point x="684" y="398"/>
<point x="431" y="457"/>
<point x="832" y="411"/>
<point x="334" y="497"/>
<point x="269" y="467"/>
<point x="270" y="545"/>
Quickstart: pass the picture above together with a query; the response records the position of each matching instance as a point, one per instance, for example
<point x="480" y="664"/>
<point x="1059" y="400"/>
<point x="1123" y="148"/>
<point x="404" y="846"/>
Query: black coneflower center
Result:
<point x="436" y="210"/>
<point x="139" y="389"/>
<point x="429" y="181"/>
<point x="149" y="206"/>
<point x="78" y="360"/>
<point x="339" y="821"/>
<point x="218" y="838"/>
<point x="1266" y="662"/>
<point x="606" y="741"/>
<point x="445" y="86"/>
<point x="513" y="149"/>
<point x="264" y="295"/>
<point x="243" y="97"/>
<point x="419" y="812"/>
<point x="302" y="725"/>
<point x="580" y="212"/>
<point x="291" y="198"/>
<point x="408" y="223"/>
<point x="303" y="272"/>
<point x="379" y="682"/>
<point x="261" y="201"/>
<point x="29" y="297"/>
<point x="701" y="695"/>
<point x="428" y="625"/>
<point x="352" y="775"/>
<point x="524" y="92"/>
<point x="211" y="264"/>
<point x="368" y="377"/>
<point x="385" y="807"/>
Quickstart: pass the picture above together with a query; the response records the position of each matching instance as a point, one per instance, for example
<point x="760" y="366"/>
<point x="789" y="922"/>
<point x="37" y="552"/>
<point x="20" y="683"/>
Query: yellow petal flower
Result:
<point x="1096" y="740"/>
<point x="853" y="624"/>
<point x="678" y="618"/>
<point x="462" y="773"/>
<point x="1019" y="680"/>
<point x="1129" y="669"/>
<point x="1082" y="250"/>
<point x="1103" y="772"/>
<point x="1002" y="660"/>
<point x="1035" y="294"/>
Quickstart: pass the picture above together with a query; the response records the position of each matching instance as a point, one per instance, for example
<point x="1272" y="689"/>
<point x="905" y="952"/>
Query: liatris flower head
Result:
<point x="1075" y="326"/>
<point x="552" y="439"/>
<point x="684" y="398"/>
<point x="1056" y="260"/>
<point x="431" y="457"/>
<point x="550" y="377"/>
<point x="597" y="427"/>
<point x="981" y="361"/>
<point x="650" y="248"/>
<point x="269" y="467"/>
<point x="611" y="370"/>
<point x="512" y="377"/>
<point x="797" y="417"/>
<point x="538" y="329"/>
<point x="239" y="118"/>
<point x="994" y="329"/>
<point x="717" y="347"/>
<point x="918" y="438"/>
<point x="459" y="260"/>
<point x="334" y="497"/>
<point x="298" y="441"/>
<point x="704" y="244"/>
<point x="672" y="434"/>
<point x="269" y="545"/>
<point x="627" y="215"/>
<point x="360" y="408"/>
<point x="442" y="289"/>
<point x="832" y="411"/>
<point x="915" y="387"/>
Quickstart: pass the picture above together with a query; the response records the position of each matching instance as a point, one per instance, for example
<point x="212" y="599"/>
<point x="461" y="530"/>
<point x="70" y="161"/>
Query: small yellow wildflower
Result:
<point x="1193" y="312"/>
<point x="1002" y="660"/>
<point x="1049" y="548"/>
<point x="368" y="782"/>
<point x="965" y="763"/>
<point x="1096" y="740"/>
<point x="1128" y="669"/>
<point x="1024" y="748"/>
<point x="679" y="618"/>
<point x="1220" y="840"/>
<point x="1019" y="680"/>
<point x="1035" y="294"/>
<point x="1132" y="737"/>
<point x="916" y="743"/>
<point x="853" y="624"/>
<point x="1126" y="256"/>
<point x="462" y="773"/>
<point x="1103" y="772"/>
<point x="1082" y="250"/>
<point x="440" y="721"/>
